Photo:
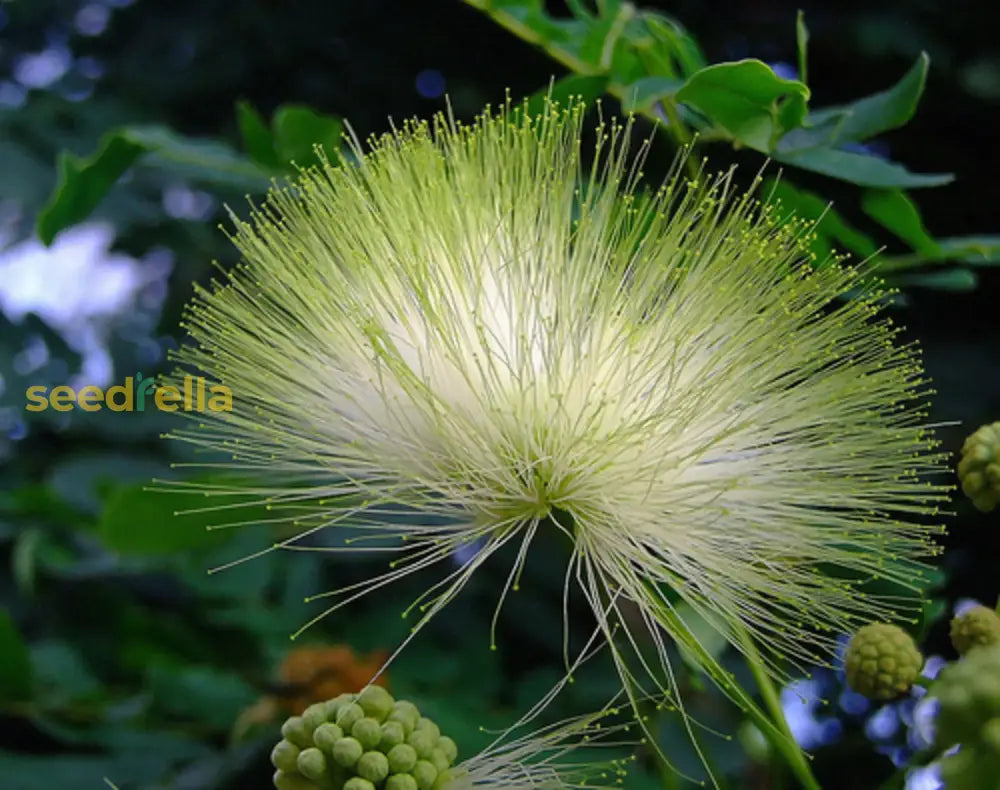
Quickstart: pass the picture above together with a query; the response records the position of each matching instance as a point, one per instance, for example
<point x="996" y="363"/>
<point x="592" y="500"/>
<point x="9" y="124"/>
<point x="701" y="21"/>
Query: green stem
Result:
<point x="789" y="749"/>
<point x="771" y="724"/>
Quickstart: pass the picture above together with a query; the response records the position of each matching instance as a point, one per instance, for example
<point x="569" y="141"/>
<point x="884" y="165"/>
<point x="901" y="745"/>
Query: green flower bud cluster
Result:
<point x="979" y="469"/>
<point x="978" y="627"/>
<point x="882" y="661"/>
<point x="969" y="714"/>
<point x="366" y="741"/>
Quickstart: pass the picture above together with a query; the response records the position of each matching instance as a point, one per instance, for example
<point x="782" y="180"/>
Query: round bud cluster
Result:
<point x="977" y="627"/>
<point x="366" y="741"/>
<point x="979" y="469"/>
<point x="882" y="661"/>
<point x="969" y="714"/>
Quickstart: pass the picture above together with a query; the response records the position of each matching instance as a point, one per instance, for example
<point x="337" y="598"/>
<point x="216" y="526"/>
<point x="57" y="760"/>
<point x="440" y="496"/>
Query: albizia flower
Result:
<point x="471" y="325"/>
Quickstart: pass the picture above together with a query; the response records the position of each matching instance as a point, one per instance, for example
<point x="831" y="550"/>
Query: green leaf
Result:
<point x="299" y="130"/>
<point x="748" y="100"/>
<point x="83" y="183"/>
<point x="642" y="94"/>
<point x="791" y="113"/>
<point x="138" y="521"/>
<point x="602" y="35"/>
<point x="292" y="139"/>
<point x="587" y="88"/>
<point x="879" y="112"/>
<point x="812" y="135"/>
<point x="801" y="44"/>
<point x="897" y="213"/>
<point x="15" y="663"/>
<point x="665" y="46"/>
<point x="862" y="169"/>
<point x="257" y="138"/>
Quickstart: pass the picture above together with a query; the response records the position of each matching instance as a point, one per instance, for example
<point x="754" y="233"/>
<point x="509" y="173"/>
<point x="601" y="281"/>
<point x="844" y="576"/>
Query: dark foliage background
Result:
<point x="119" y="656"/>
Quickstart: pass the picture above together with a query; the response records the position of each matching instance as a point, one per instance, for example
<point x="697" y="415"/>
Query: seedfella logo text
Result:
<point x="133" y="395"/>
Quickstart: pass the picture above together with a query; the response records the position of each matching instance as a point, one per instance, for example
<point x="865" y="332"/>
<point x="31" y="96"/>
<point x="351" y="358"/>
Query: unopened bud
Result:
<point x="365" y="741"/>
<point x="979" y="469"/>
<point x="882" y="661"/>
<point x="977" y="627"/>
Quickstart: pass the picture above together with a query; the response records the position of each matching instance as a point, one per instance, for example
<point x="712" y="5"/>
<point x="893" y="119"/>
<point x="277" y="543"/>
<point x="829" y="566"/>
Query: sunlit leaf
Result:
<point x="748" y="100"/>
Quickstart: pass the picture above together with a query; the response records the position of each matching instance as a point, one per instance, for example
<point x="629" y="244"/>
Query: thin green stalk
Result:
<point x="772" y="724"/>
<point x="789" y="749"/>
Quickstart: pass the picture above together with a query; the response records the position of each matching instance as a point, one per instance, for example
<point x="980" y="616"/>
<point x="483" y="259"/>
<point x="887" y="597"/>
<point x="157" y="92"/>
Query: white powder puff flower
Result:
<point x="474" y="325"/>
